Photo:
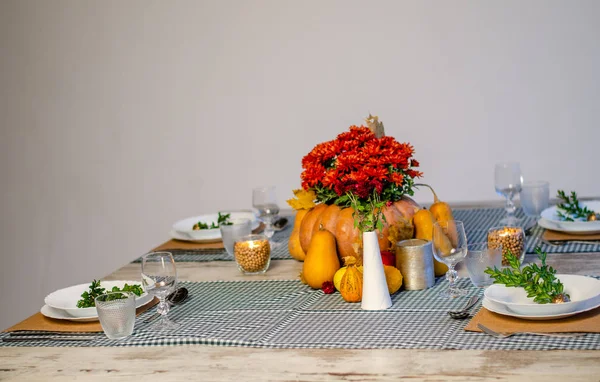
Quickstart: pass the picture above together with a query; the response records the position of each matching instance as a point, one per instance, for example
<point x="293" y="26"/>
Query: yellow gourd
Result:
<point x="352" y="281"/>
<point x="424" y="221"/>
<point x="441" y="210"/>
<point x="294" y="243"/>
<point x="393" y="277"/>
<point x="321" y="261"/>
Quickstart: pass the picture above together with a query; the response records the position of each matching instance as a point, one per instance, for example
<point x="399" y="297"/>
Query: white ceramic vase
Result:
<point x="375" y="294"/>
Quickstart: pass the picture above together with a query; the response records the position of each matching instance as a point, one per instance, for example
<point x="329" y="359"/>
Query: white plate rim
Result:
<point x="59" y="314"/>
<point x="212" y="235"/>
<point x="564" y="227"/>
<point x="571" y="306"/>
<point x="141" y="300"/>
<point x="550" y="219"/>
<point x="499" y="309"/>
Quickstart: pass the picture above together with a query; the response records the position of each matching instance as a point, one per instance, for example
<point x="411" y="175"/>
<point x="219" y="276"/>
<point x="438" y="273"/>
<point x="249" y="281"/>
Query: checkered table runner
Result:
<point x="287" y="314"/>
<point x="477" y="222"/>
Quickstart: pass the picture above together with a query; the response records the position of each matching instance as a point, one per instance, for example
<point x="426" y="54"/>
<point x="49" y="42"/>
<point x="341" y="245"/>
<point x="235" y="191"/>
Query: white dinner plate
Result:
<point x="550" y="220"/>
<point x="66" y="299"/>
<point x="183" y="229"/>
<point x="59" y="314"/>
<point x="583" y="291"/>
<point x="497" y="308"/>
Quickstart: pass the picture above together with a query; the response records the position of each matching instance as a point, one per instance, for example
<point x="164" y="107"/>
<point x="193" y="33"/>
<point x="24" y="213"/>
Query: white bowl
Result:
<point x="186" y="226"/>
<point x="582" y="290"/>
<point x="66" y="299"/>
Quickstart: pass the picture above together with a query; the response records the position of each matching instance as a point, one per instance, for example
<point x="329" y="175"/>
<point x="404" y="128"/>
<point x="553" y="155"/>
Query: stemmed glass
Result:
<point x="508" y="180"/>
<point x="450" y="248"/>
<point x="159" y="276"/>
<point x="264" y="202"/>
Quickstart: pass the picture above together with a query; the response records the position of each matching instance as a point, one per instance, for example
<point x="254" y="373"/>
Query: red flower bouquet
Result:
<point x="361" y="170"/>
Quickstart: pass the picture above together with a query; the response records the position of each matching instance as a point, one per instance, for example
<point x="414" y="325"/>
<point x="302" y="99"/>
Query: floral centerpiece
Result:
<point x="364" y="172"/>
<point x="361" y="168"/>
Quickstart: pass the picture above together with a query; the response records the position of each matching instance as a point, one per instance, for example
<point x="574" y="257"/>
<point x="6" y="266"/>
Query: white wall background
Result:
<point x="118" y="118"/>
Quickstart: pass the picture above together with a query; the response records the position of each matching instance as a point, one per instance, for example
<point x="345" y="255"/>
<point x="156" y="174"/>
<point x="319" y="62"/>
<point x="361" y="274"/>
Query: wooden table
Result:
<point x="247" y="364"/>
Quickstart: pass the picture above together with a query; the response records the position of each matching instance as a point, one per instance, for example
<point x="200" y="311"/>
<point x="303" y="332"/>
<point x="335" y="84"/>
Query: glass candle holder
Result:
<point x="252" y="254"/>
<point x="510" y="239"/>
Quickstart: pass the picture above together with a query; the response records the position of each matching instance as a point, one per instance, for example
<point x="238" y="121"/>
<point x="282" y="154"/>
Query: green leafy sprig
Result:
<point x="88" y="297"/>
<point x="221" y="220"/>
<point x="539" y="282"/>
<point x="368" y="214"/>
<point x="572" y="209"/>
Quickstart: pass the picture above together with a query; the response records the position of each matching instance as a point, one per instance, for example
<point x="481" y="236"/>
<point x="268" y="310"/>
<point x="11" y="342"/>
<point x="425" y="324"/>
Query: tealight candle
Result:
<point x="252" y="254"/>
<point x="511" y="239"/>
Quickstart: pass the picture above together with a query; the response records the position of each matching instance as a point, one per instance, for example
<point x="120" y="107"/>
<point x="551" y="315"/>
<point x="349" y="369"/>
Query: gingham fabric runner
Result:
<point x="287" y="314"/>
<point x="477" y="222"/>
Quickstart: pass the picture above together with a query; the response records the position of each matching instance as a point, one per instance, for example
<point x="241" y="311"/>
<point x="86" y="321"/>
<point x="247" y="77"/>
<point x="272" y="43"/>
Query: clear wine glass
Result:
<point x="159" y="276"/>
<point x="450" y="248"/>
<point x="508" y="181"/>
<point x="264" y="202"/>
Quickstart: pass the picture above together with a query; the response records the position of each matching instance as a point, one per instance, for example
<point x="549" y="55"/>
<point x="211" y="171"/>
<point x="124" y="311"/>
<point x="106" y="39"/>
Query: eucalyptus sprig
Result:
<point x="572" y="209"/>
<point x="368" y="214"/>
<point x="539" y="282"/>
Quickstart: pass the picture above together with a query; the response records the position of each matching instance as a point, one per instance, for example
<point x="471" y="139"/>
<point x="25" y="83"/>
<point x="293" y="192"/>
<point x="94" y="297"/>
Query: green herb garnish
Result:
<point x="221" y="220"/>
<point x="88" y="297"/>
<point x="539" y="282"/>
<point x="572" y="209"/>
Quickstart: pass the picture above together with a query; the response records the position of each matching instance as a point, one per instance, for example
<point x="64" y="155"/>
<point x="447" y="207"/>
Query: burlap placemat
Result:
<point x="556" y="235"/>
<point x="39" y="322"/>
<point x="186" y="245"/>
<point x="587" y="322"/>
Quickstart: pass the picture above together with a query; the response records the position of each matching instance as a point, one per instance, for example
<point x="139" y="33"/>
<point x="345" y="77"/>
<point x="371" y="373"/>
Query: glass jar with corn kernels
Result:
<point x="510" y="239"/>
<point x="252" y="254"/>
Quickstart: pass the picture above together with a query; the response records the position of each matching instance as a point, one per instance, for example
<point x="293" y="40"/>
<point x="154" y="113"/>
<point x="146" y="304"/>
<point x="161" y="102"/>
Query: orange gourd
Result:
<point x="424" y="221"/>
<point x="352" y="282"/>
<point x="321" y="261"/>
<point x="294" y="243"/>
<point x="306" y="227"/>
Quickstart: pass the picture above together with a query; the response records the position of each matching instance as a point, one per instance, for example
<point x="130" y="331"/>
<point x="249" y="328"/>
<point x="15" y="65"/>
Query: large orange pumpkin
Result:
<point x="340" y="222"/>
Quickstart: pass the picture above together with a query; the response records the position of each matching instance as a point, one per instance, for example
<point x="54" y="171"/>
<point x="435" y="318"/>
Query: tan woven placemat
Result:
<point x="39" y="322"/>
<point x="556" y="235"/>
<point x="587" y="322"/>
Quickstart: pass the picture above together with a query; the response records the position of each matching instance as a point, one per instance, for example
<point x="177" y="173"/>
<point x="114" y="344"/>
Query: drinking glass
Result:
<point x="116" y="312"/>
<point x="535" y="197"/>
<point x="232" y="232"/>
<point x="264" y="202"/>
<point x="450" y="248"/>
<point x="479" y="258"/>
<point x="508" y="180"/>
<point x="159" y="276"/>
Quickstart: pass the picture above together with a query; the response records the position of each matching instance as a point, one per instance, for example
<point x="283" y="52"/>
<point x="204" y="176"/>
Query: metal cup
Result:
<point x="414" y="258"/>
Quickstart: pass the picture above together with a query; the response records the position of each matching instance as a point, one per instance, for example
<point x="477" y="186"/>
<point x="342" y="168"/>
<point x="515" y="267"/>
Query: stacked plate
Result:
<point x="550" y="220"/>
<point x="509" y="301"/>
<point x="62" y="304"/>
<point x="183" y="229"/>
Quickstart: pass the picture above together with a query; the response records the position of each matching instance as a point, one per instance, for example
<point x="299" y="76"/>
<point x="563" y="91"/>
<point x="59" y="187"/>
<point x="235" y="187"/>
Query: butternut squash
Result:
<point x="441" y="210"/>
<point x="321" y="261"/>
<point x="424" y="221"/>
<point x="294" y="243"/>
<point x="306" y="227"/>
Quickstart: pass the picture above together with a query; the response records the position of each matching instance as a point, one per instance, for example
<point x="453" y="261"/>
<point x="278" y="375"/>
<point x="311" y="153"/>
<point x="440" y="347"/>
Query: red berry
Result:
<point x="328" y="287"/>
<point x="388" y="258"/>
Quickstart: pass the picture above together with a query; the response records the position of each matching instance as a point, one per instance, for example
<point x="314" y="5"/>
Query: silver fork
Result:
<point x="492" y="333"/>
